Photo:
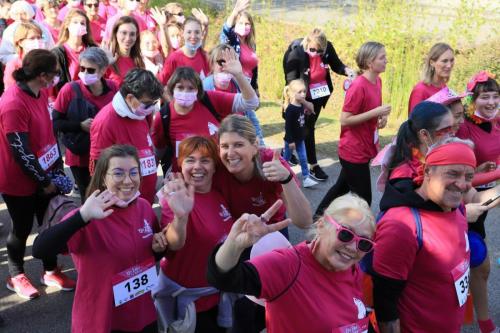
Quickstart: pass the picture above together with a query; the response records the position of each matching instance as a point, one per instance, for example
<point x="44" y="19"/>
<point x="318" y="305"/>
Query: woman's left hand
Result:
<point x="351" y="73"/>
<point x="382" y="122"/>
<point x="200" y="16"/>
<point x="231" y="62"/>
<point x="160" y="241"/>
<point x="273" y="170"/>
<point x="159" y="16"/>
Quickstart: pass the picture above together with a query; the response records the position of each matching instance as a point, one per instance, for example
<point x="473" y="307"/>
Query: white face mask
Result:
<point x="132" y="5"/>
<point x="54" y="82"/>
<point x="476" y="113"/>
<point x="88" y="79"/>
<point x="150" y="54"/>
<point x="76" y="29"/>
<point x="222" y="79"/>
<point x="180" y="19"/>
<point x="32" y="44"/>
<point x="174" y="41"/>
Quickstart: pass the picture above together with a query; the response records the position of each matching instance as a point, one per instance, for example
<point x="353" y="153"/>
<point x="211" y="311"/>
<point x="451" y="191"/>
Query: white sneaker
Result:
<point x="309" y="182"/>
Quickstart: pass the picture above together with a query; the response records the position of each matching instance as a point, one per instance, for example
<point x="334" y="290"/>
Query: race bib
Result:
<point x="461" y="278"/>
<point x="48" y="156"/>
<point x="148" y="162"/>
<point x="318" y="90"/>
<point x="359" y="327"/>
<point x="134" y="282"/>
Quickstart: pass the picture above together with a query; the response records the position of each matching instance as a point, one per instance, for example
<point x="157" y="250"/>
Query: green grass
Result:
<point x="400" y="26"/>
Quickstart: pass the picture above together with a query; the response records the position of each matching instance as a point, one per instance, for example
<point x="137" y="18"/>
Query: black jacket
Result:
<point x="62" y="60"/>
<point x="296" y="64"/>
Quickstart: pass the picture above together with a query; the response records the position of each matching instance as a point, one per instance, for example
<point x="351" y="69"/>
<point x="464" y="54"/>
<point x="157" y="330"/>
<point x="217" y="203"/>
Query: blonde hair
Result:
<point x="87" y="39"/>
<point x="22" y="31"/>
<point x="435" y="52"/>
<point x="341" y="210"/>
<point x="250" y="39"/>
<point x="367" y="53"/>
<point x="317" y="36"/>
<point x="215" y="53"/>
<point x="290" y="90"/>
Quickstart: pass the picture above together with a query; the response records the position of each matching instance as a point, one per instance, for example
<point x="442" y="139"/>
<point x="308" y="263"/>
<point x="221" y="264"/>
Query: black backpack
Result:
<point x="79" y="110"/>
<point x="166" y="159"/>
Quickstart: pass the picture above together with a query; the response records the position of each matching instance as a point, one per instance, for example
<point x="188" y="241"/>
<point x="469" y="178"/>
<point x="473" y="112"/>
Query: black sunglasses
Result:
<point x="312" y="49"/>
<point x="221" y="62"/>
<point x="95" y="5"/>
<point x="87" y="69"/>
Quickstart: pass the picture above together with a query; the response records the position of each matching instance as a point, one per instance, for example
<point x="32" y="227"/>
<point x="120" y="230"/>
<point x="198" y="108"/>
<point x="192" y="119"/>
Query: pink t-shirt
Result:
<point x="254" y="196"/>
<point x="102" y="249"/>
<point x="248" y="59"/>
<point x="197" y="122"/>
<point x="10" y="67"/>
<point x="209" y="223"/>
<point x="112" y="20"/>
<point x="109" y="129"/>
<point x="124" y="64"/>
<point x="66" y="94"/>
<point x="487" y="145"/>
<point x="359" y="143"/>
<point x="178" y="59"/>
<point x="64" y="11"/>
<point x="420" y="93"/>
<point x="73" y="61"/>
<point x="97" y="28"/>
<point x="20" y="112"/>
<point x="429" y="302"/>
<point x="318" y="301"/>
<point x="53" y="31"/>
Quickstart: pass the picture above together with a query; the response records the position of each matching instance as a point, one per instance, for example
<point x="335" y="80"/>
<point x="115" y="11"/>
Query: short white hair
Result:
<point x="22" y="6"/>
<point x="452" y="139"/>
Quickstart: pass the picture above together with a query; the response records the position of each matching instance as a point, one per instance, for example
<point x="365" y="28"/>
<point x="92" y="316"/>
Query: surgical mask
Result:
<point x="144" y="111"/>
<point x="180" y="19"/>
<point x="150" y="54"/>
<point x="88" y="79"/>
<point x="132" y="5"/>
<point x="76" y="29"/>
<point x="242" y="30"/>
<point x="174" y="41"/>
<point x="312" y="54"/>
<point x="54" y="82"/>
<point x="222" y="79"/>
<point x="123" y="204"/>
<point x="193" y="48"/>
<point x="32" y="44"/>
<point x="185" y="99"/>
<point x="477" y="114"/>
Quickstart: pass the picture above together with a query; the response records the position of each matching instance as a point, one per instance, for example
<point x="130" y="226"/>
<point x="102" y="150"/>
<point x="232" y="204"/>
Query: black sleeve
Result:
<point x="53" y="240"/>
<point x="386" y="292"/>
<point x="292" y="130"/>
<point x="255" y="75"/>
<point x="63" y="124"/>
<point x="26" y="159"/>
<point x="334" y="61"/>
<point x="242" y="279"/>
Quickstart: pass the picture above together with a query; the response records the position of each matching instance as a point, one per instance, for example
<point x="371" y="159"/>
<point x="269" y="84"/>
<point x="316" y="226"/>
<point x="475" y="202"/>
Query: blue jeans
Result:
<point x="300" y="147"/>
<point x="252" y="116"/>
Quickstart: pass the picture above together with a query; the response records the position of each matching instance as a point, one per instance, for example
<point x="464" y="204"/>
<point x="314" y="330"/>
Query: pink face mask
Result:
<point x="222" y="79"/>
<point x="143" y="111"/>
<point x="150" y="54"/>
<point x="185" y="99"/>
<point x="88" y="79"/>
<point x="76" y="29"/>
<point x="32" y="44"/>
<point x="242" y="30"/>
<point x="174" y="41"/>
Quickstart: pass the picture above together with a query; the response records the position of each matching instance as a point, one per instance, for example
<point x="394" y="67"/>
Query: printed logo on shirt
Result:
<point x="302" y="120"/>
<point x="323" y="65"/>
<point x="224" y="213"/>
<point x="150" y="142"/>
<point x="212" y="128"/>
<point x="258" y="201"/>
<point x="146" y="230"/>
<point x="467" y="248"/>
<point x="361" y="308"/>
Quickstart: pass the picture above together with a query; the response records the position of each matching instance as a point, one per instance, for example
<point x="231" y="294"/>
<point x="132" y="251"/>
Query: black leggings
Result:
<point x="353" y="177"/>
<point x="151" y="328"/>
<point x="22" y="210"/>
<point x="82" y="179"/>
<point x="206" y="321"/>
<point x="248" y="317"/>
<point x="310" y="140"/>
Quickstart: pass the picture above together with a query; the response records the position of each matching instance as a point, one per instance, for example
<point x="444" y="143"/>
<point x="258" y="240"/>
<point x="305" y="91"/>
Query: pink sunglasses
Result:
<point x="347" y="236"/>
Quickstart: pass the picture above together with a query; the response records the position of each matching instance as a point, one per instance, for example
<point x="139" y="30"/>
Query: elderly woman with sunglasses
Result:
<point x="97" y="93"/>
<point x="311" y="287"/>
<point x="310" y="60"/>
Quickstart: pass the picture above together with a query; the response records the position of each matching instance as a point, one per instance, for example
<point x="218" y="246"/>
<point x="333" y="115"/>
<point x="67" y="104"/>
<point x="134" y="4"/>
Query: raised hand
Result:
<point x="274" y="170"/>
<point x="486" y="167"/>
<point x="180" y="197"/>
<point x="107" y="48"/>
<point x="159" y="16"/>
<point x="97" y="206"/>
<point x="200" y="16"/>
<point x="231" y="62"/>
<point x="241" y="5"/>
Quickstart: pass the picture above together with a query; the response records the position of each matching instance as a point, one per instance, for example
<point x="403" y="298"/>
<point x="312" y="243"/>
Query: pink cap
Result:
<point x="445" y="96"/>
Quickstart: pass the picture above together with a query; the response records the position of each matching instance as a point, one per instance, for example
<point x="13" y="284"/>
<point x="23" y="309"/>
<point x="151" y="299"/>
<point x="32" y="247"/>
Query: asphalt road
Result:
<point x="52" y="311"/>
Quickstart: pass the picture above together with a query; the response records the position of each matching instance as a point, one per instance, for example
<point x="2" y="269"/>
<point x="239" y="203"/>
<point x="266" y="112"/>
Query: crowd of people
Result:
<point x="114" y="89"/>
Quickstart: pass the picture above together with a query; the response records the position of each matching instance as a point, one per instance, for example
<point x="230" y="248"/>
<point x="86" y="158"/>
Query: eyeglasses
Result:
<point x="89" y="70"/>
<point x="444" y="131"/>
<point x="312" y="49"/>
<point x="120" y="175"/>
<point x="95" y="5"/>
<point x="346" y="235"/>
<point x="179" y="14"/>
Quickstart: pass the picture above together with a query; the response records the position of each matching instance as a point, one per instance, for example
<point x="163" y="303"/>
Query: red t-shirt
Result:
<point x="319" y="300"/>
<point x="254" y="196"/>
<point x="53" y="31"/>
<point x="429" y="301"/>
<point x="359" y="143"/>
<point x="20" y="112"/>
<point x="487" y="145"/>
<point x="197" y="122"/>
<point x="178" y="59"/>
<point x="109" y="129"/>
<point x="10" y="67"/>
<point x="124" y="64"/>
<point x="420" y="93"/>
<point x="97" y="28"/>
<point x="102" y="249"/>
<point x="73" y="61"/>
<point x="62" y="103"/>
<point x="318" y="70"/>
<point x="407" y="169"/>
<point x="209" y="223"/>
<point x="248" y="59"/>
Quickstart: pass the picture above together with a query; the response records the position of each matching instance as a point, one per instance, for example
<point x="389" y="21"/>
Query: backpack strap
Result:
<point x="418" y="227"/>
<point x="76" y="89"/>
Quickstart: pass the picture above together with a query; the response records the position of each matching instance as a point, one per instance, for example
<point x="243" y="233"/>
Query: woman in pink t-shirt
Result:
<point x="125" y="46"/>
<point x="97" y="23"/>
<point x="311" y="287"/>
<point x="362" y="116"/>
<point x="50" y="9"/>
<point x="113" y="244"/>
<point x="435" y="75"/>
<point x="74" y="37"/>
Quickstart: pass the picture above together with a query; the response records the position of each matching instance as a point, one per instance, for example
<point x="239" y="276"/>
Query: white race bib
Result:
<point x="134" y="282"/>
<point x="148" y="165"/>
<point x="318" y="90"/>
<point x="461" y="278"/>
<point x="48" y="156"/>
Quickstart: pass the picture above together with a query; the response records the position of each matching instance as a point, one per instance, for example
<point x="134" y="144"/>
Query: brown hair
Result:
<point x="102" y="165"/>
<point x="250" y="39"/>
<point x="22" y="31"/>
<point x="35" y="62"/>
<point x="188" y="74"/>
<point x="435" y="52"/>
<point x="205" y="146"/>
<point x="87" y="39"/>
<point x="135" y="52"/>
